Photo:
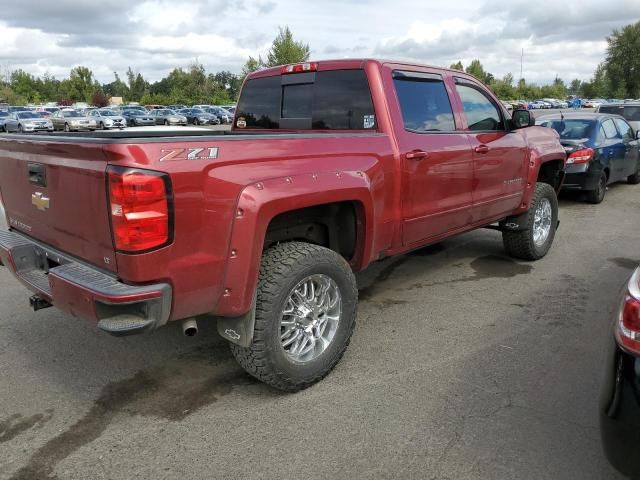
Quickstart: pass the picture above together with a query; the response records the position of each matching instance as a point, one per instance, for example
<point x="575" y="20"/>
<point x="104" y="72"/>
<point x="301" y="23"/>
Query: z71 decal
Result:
<point x="206" y="153"/>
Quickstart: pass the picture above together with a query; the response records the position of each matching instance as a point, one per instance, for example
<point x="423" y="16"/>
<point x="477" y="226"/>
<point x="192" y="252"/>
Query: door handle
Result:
<point x="482" y="149"/>
<point x="416" y="155"/>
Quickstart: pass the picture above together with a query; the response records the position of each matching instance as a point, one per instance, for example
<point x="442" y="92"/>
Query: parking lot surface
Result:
<point x="464" y="364"/>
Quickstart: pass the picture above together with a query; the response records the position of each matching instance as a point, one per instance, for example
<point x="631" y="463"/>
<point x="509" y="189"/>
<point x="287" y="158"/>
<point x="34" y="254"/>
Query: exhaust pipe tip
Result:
<point x="190" y="327"/>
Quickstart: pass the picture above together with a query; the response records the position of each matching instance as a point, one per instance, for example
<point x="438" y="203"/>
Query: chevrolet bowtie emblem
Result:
<point x="40" y="202"/>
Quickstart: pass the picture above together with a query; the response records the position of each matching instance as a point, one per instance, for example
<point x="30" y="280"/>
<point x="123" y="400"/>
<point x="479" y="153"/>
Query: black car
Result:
<point x="620" y="399"/>
<point x="601" y="149"/>
<point x="199" y="117"/>
<point x="137" y="117"/>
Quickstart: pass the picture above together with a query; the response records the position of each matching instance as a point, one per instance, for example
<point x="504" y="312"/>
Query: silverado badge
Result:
<point x="39" y="201"/>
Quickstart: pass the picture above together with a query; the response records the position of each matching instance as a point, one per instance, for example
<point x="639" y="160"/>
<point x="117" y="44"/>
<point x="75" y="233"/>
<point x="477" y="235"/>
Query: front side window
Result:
<point x="424" y="103"/>
<point x="609" y="129"/>
<point x="480" y="112"/>
<point x="624" y="128"/>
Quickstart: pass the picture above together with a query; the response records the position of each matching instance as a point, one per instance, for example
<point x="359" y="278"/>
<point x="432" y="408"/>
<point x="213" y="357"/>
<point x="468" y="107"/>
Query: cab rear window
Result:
<point x="331" y="100"/>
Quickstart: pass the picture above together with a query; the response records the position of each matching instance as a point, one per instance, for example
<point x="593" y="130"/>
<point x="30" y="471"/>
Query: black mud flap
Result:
<point x="238" y="330"/>
<point x="515" y="223"/>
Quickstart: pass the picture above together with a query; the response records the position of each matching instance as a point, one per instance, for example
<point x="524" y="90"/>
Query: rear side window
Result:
<point x="609" y="129"/>
<point x="424" y="103"/>
<point x="331" y="100"/>
<point x="481" y="113"/>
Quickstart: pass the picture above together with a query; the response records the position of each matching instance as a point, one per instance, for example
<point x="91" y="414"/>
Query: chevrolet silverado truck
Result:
<point x="329" y="166"/>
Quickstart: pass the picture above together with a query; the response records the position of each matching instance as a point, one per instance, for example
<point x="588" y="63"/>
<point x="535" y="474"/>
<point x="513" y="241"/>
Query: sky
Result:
<point x="564" y="38"/>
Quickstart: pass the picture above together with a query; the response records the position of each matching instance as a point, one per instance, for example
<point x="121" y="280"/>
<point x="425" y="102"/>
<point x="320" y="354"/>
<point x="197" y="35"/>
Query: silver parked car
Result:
<point x="71" y="120"/>
<point x="106" y="118"/>
<point x="33" y="122"/>
<point x="165" y="116"/>
<point x="629" y="110"/>
<point x="8" y="122"/>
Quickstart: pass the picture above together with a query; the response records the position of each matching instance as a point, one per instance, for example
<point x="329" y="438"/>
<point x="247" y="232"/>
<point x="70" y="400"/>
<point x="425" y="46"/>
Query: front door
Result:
<point x="500" y="156"/>
<point x="437" y="164"/>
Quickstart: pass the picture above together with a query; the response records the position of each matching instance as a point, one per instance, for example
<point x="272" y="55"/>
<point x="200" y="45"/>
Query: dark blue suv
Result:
<point x="601" y="149"/>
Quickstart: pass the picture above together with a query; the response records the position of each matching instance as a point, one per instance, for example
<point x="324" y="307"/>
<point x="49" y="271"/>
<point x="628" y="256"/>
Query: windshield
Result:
<point x="28" y="115"/>
<point x="4" y="114"/>
<point x="197" y="111"/>
<point x="108" y="113"/>
<point x="70" y="113"/>
<point x="571" y="129"/>
<point x="166" y="112"/>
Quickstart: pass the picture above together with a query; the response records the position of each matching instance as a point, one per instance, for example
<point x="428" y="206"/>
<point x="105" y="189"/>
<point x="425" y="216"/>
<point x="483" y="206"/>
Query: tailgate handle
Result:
<point x="37" y="174"/>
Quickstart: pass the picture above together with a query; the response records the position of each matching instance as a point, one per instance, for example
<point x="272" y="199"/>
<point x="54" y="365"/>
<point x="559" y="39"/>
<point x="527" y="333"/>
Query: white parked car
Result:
<point x="106" y="118"/>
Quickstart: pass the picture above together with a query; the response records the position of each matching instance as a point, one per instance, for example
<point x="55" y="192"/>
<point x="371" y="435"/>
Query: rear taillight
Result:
<point x="628" y="325"/>
<point x="299" y="68"/>
<point x="584" y="155"/>
<point x="140" y="204"/>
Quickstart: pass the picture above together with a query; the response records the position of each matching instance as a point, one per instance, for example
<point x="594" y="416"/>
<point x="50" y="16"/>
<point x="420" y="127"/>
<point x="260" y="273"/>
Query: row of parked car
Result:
<point x="30" y="119"/>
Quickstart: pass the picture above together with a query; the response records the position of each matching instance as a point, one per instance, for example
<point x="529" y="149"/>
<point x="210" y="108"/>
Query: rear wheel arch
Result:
<point x="263" y="216"/>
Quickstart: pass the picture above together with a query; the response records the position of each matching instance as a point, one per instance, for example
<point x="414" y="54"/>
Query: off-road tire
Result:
<point x="520" y="244"/>
<point x="282" y="267"/>
<point x="634" y="179"/>
<point x="597" y="195"/>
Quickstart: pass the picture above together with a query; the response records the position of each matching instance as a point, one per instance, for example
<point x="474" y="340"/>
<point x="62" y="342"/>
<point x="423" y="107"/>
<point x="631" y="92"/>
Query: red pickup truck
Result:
<point x="329" y="166"/>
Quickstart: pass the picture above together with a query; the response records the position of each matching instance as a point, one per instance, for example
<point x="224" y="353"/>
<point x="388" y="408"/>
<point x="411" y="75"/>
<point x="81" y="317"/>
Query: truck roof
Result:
<point x="350" y="63"/>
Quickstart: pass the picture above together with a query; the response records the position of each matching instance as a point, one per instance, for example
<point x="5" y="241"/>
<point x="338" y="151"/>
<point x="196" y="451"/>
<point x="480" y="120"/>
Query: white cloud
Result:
<point x="154" y="36"/>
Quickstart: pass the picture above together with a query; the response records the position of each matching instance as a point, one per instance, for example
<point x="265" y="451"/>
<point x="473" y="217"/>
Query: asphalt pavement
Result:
<point x="464" y="364"/>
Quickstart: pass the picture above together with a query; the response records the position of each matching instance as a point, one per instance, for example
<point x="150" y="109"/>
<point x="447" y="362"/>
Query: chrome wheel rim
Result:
<point x="542" y="222"/>
<point x="310" y="317"/>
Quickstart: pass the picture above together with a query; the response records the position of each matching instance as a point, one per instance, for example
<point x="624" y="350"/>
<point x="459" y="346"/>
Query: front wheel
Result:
<point x="535" y="239"/>
<point x="66" y="127"/>
<point x="166" y="123"/>
<point x="305" y="314"/>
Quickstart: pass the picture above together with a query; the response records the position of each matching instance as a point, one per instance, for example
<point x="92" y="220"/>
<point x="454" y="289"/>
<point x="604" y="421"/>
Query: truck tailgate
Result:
<point x="56" y="193"/>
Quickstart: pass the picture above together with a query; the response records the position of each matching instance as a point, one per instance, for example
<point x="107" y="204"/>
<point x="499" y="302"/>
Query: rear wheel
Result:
<point x="634" y="179"/>
<point x="535" y="239"/>
<point x="597" y="195"/>
<point x="305" y="314"/>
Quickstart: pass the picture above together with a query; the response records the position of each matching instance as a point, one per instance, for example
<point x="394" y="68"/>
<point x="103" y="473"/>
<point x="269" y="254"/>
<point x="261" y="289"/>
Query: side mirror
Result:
<point x="522" y="119"/>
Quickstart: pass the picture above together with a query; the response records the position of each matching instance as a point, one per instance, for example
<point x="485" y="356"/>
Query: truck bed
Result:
<point x="124" y="136"/>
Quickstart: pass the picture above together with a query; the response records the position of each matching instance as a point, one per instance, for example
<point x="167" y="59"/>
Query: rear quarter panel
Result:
<point x="263" y="177"/>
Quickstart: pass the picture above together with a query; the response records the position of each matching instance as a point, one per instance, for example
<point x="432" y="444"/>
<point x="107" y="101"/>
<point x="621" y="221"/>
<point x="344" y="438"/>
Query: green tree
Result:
<point x="457" y="66"/>
<point x="138" y="86"/>
<point x="285" y="49"/>
<point x="24" y="85"/>
<point x="251" y="65"/>
<point x="623" y="61"/>
<point x="575" y="87"/>
<point x="477" y="70"/>
<point x="81" y="84"/>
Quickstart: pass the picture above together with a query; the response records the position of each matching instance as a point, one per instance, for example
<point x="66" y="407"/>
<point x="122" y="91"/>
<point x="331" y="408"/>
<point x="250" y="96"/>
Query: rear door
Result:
<point x="500" y="156"/>
<point x="55" y="192"/>
<point x="615" y="150"/>
<point x="437" y="164"/>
